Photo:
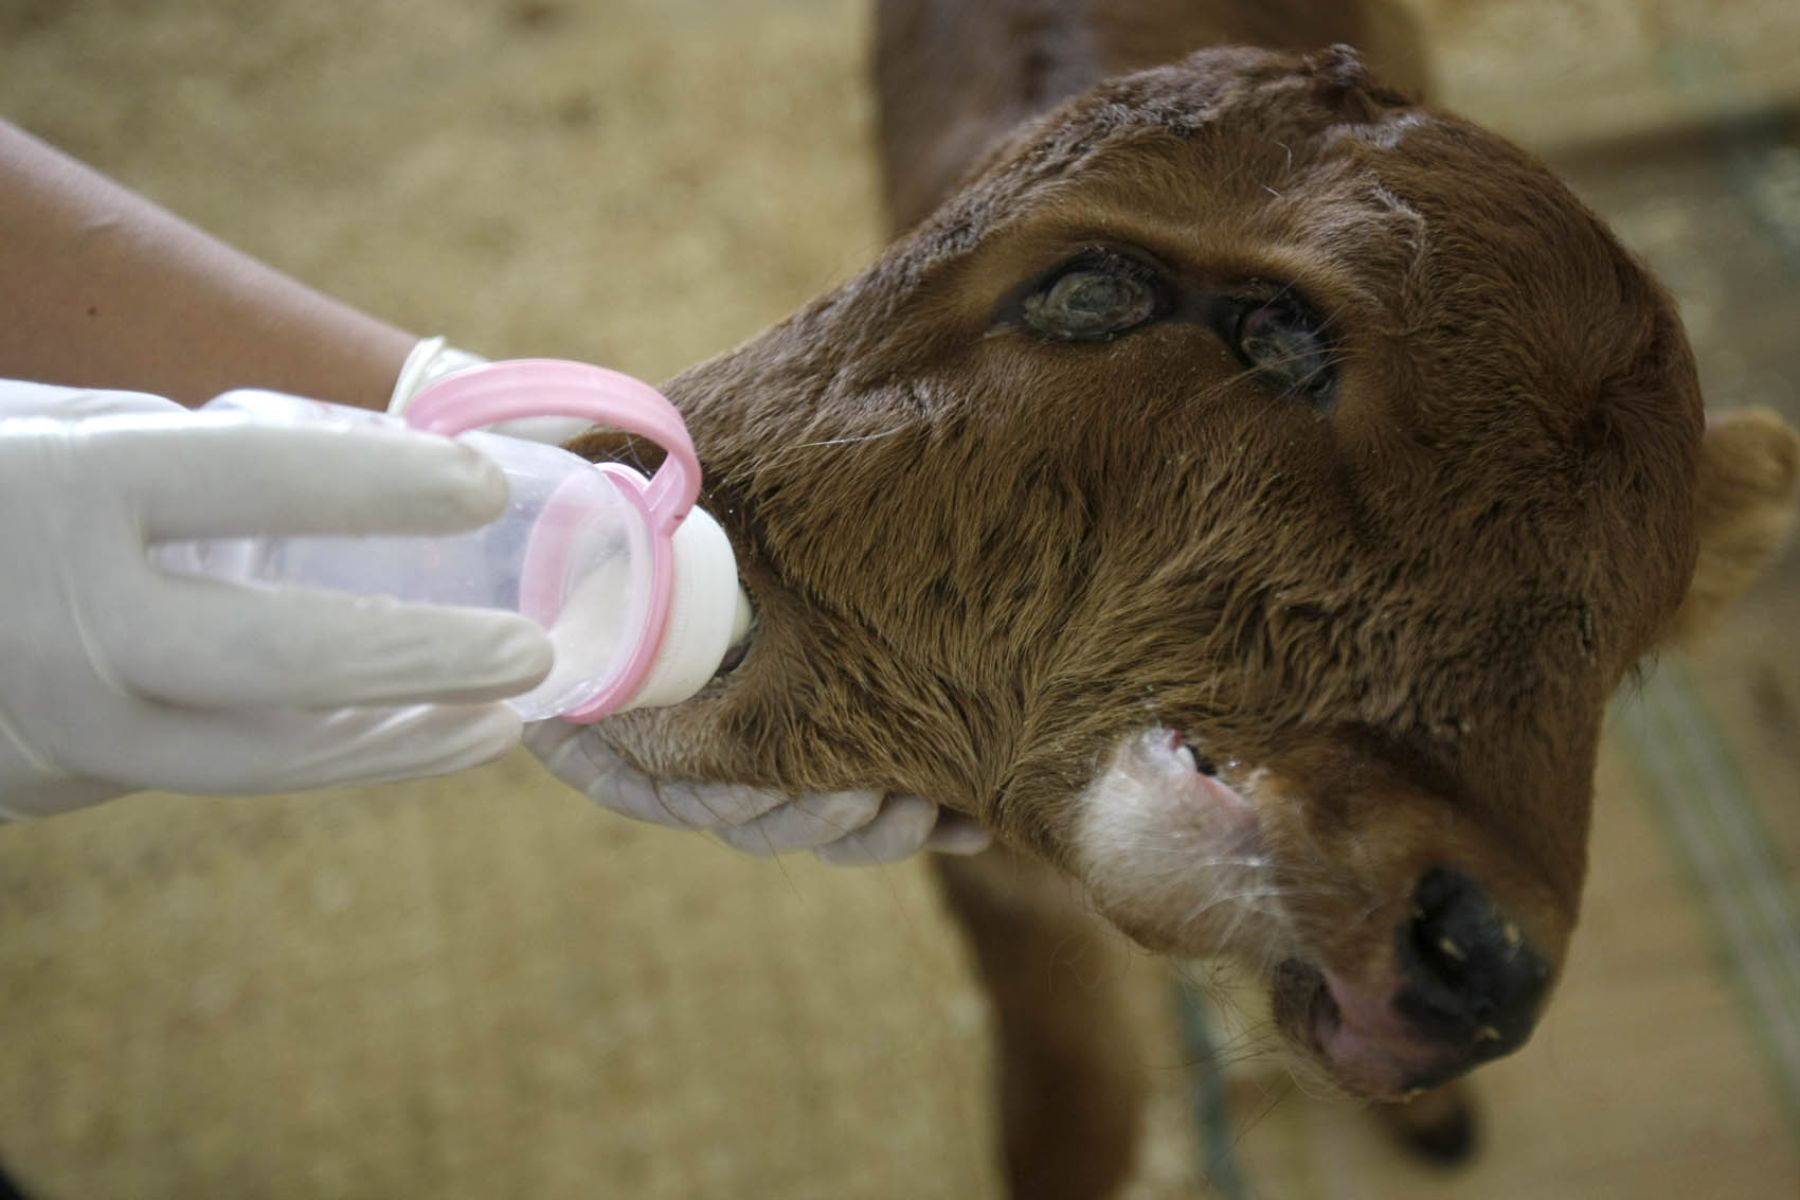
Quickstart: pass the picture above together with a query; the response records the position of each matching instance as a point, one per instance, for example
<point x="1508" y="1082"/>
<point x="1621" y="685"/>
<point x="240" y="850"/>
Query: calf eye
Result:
<point x="1093" y="298"/>
<point x="1284" y="342"/>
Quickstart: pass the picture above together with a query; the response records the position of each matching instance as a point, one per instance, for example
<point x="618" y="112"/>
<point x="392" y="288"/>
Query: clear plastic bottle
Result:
<point x="579" y="550"/>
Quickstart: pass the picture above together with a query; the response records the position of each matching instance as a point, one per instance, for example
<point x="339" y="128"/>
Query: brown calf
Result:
<point x="1241" y="488"/>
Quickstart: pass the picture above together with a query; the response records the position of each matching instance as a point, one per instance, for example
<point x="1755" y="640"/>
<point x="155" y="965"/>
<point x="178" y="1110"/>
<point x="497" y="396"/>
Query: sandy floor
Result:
<point x="483" y="988"/>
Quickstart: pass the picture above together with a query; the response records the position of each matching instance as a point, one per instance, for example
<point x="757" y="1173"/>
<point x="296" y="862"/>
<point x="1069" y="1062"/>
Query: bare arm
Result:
<point x="101" y="288"/>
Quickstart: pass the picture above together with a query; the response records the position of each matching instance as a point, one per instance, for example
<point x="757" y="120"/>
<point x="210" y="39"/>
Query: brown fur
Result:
<point x="980" y="560"/>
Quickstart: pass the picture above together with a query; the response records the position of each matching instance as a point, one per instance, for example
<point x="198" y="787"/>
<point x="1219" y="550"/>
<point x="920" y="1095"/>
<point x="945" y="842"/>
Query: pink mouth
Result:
<point x="1371" y="1043"/>
<point x="1357" y="1032"/>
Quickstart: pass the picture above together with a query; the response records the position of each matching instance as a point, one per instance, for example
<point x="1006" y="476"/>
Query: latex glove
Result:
<point x="116" y="677"/>
<point x="846" y="828"/>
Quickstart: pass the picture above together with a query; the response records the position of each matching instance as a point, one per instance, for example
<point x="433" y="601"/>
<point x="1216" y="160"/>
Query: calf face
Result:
<point x="1245" y="494"/>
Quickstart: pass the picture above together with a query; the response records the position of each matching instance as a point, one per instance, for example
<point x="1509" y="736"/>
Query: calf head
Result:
<point x="1245" y="494"/>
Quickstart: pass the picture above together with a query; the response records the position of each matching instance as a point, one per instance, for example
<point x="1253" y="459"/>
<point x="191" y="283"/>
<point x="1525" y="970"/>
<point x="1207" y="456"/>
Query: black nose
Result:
<point x="1472" y="980"/>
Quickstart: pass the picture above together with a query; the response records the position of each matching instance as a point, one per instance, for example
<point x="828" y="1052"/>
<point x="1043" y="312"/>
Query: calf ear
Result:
<point x="1749" y="469"/>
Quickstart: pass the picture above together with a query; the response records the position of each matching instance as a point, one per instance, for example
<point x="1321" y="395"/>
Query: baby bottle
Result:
<point x="636" y="587"/>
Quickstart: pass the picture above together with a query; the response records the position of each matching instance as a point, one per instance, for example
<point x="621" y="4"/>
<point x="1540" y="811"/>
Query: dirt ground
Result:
<point x="482" y="987"/>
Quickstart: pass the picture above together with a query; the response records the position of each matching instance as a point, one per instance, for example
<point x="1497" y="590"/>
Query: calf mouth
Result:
<point x="1303" y="1007"/>
<point x="1306" y="1011"/>
<point x="1376" y="995"/>
<point x="1362" y="1042"/>
<point x="739" y="650"/>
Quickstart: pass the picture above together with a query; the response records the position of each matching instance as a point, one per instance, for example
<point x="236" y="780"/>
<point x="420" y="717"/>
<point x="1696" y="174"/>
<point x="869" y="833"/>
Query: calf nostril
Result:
<point x="1470" y="976"/>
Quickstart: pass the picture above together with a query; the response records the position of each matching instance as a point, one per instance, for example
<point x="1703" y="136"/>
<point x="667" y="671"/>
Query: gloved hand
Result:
<point x="846" y="828"/>
<point x="116" y="676"/>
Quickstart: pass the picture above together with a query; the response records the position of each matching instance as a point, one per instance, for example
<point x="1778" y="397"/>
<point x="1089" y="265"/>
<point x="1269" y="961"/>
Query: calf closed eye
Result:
<point x="1284" y="342"/>
<point x="1093" y="298"/>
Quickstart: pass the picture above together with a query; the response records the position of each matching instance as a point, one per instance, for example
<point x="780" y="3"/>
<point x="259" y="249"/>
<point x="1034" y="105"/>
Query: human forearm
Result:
<point x="101" y="288"/>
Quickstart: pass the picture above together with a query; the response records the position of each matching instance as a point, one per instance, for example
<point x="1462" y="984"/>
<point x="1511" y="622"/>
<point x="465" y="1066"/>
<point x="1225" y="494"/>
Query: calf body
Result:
<point x="1241" y="488"/>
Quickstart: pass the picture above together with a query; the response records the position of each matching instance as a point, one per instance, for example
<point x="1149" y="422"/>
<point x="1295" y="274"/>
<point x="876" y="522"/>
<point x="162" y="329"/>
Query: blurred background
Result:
<point x="482" y="987"/>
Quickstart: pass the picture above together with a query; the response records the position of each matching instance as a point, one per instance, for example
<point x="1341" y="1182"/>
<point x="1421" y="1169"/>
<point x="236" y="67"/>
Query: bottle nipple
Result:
<point x="708" y="615"/>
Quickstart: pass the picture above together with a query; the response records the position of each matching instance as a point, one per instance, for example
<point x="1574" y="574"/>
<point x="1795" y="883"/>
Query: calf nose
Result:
<point x="1471" y="979"/>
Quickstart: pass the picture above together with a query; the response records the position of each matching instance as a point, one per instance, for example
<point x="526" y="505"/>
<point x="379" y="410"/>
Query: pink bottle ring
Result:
<point x="537" y="387"/>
